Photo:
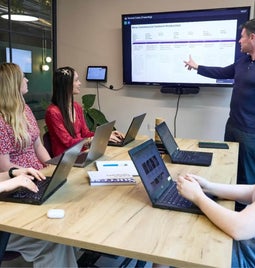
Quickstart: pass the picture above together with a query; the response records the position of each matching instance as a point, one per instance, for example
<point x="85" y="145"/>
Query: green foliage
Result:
<point x="93" y="116"/>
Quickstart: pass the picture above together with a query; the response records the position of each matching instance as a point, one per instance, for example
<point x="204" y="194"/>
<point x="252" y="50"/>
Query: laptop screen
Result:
<point x="151" y="168"/>
<point x="166" y="137"/>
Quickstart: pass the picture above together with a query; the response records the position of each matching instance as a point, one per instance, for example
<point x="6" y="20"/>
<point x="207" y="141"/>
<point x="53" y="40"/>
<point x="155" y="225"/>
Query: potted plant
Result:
<point x="93" y="116"/>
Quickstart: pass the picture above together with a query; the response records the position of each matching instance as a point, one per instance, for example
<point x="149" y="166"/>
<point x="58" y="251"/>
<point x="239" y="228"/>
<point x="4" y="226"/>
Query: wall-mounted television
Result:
<point x="155" y="45"/>
<point x="21" y="57"/>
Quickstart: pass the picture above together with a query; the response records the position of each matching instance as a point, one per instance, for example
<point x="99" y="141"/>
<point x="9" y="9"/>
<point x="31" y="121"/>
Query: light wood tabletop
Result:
<point x="120" y="219"/>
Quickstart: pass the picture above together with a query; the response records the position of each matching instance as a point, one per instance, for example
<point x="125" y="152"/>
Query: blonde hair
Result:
<point x="12" y="103"/>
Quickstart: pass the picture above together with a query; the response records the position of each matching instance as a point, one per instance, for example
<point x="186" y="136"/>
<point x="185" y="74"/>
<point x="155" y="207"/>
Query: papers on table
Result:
<point x="113" y="173"/>
<point x="101" y="178"/>
<point x="120" y="167"/>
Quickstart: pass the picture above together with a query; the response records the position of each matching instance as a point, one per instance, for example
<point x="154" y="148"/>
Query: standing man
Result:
<point x="240" y="126"/>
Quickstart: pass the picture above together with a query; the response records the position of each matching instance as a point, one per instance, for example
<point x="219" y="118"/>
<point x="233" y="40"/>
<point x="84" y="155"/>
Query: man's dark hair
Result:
<point x="249" y="26"/>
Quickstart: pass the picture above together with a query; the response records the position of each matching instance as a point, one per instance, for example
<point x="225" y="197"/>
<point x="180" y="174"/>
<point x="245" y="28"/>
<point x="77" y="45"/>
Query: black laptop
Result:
<point x="180" y="156"/>
<point x="97" y="147"/>
<point x="131" y="133"/>
<point x="157" y="180"/>
<point x="51" y="184"/>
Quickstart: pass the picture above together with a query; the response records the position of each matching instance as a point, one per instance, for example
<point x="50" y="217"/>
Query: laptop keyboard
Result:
<point x="183" y="155"/>
<point x="24" y="193"/>
<point x="171" y="196"/>
<point x="81" y="158"/>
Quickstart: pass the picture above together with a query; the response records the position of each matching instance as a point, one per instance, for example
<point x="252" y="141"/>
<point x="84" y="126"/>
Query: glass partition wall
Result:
<point x="27" y="37"/>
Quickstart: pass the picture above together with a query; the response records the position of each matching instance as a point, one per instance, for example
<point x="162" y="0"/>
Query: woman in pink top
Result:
<point x="21" y="146"/>
<point x="64" y="117"/>
<point x="20" y="143"/>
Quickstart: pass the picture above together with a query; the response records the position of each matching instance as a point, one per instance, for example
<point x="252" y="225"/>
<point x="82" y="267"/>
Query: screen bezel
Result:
<point x="96" y="79"/>
<point x="126" y="43"/>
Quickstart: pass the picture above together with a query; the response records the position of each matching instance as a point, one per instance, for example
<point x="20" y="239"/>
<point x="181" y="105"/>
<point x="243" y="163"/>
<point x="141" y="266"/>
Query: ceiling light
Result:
<point x="19" y="17"/>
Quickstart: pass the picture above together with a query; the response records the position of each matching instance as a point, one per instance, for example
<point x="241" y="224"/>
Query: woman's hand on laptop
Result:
<point x="189" y="188"/>
<point x="116" y="136"/>
<point x="30" y="173"/>
<point x="19" y="181"/>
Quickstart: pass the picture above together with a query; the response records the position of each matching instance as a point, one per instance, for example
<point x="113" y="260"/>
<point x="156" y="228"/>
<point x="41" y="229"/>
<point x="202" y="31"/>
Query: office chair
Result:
<point x="6" y="255"/>
<point x="47" y="143"/>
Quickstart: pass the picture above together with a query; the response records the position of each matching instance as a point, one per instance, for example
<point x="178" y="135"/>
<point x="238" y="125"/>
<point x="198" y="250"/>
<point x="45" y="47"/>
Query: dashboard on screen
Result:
<point x="155" y="45"/>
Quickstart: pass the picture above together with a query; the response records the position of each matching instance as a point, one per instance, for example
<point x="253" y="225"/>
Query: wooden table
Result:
<point x="120" y="219"/>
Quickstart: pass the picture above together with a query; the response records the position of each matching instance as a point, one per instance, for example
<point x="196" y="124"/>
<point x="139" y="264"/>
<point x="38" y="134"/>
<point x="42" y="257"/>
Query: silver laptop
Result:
<point x="49" y="186"/>
<point x="97" y="147"/>
<point x="131" y="133"/>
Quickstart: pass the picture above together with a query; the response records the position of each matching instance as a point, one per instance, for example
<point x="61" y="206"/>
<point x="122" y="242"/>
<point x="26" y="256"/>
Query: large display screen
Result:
<point x="155" y="45"/>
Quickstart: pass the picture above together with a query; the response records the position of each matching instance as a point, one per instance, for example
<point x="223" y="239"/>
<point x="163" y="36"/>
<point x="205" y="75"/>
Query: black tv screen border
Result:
<point x="96" y="73"/>
<point x="241" y="14"/>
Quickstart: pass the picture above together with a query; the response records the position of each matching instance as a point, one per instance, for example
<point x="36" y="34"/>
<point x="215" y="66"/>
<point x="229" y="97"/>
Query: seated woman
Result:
<point x="239" y="225"/>
<point x="64" y="117"/>
<point x="21" y="146"/>
<point x="20" y="142"/>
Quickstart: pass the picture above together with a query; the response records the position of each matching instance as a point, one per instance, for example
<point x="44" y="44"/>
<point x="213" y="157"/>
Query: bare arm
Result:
<point x="242" y="223"/>
<point x="5" y="163"/>
<point x="40" y="151"/>
<point x="236" y="192"/>
<point x="20" y="181"/>
<point x="33" y="173"/>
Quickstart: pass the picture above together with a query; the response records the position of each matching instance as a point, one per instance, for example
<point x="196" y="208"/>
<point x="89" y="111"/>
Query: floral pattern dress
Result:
<point x="23" y="157"/>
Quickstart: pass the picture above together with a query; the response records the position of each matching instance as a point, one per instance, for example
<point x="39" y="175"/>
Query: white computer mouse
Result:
<point x="56" y="213"/>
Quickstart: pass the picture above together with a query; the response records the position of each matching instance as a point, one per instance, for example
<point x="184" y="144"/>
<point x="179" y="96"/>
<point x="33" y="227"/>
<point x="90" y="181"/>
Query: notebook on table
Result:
<point x="131" y="133"/>
<point x="49" y="186"/>
<point x="97" y="147"/>
<point x="157" y="180"/>
<point x="179" y="156"/>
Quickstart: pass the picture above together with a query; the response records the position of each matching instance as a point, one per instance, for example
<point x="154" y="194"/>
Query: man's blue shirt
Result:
<point x="242" y="105"/>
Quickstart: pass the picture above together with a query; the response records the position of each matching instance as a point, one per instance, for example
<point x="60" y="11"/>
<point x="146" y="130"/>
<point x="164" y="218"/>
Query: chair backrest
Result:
<point x="4" y="237"/>
<point x="47" y="143"/>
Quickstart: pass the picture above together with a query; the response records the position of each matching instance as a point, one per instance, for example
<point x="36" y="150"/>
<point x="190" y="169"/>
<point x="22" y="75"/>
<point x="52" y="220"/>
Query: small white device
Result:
<point x="56" y="213"/>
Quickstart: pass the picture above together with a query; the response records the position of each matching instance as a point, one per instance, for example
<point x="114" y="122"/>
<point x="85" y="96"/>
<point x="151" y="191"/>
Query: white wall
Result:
<point x="89" y="33"/>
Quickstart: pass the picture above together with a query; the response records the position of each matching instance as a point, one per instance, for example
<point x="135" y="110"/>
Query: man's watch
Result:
<point x="10" y="172"/>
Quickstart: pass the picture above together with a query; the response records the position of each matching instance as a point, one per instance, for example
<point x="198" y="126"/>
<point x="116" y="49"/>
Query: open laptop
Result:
<point x="51" y="184"/>
<point x="157" y="180"/>
<point x="97" y="147"/>
<point x="180" y="156"/>
<point x="131" y="133"/>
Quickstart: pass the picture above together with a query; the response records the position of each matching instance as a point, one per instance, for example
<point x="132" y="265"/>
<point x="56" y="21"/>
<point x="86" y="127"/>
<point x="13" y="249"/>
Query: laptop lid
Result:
<point x="132" y="131"/>
<point x="134" y="128"/>
<point x="167" y="138"/>
<point x="151" y="169"/>
<point x="53" y="183"/>
<point x="63" y="168"/>
<point x="187" y="157"/>
<point x="157" y="180"/>
<point x="98" y="145"/>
